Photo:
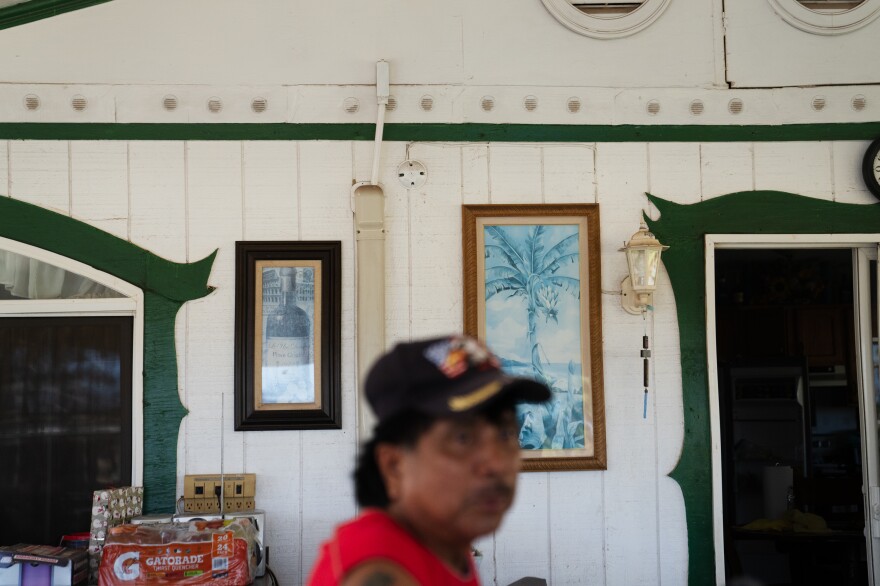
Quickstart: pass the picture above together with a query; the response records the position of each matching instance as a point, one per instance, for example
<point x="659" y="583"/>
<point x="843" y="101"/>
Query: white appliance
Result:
<point x="187" y="517"/>
<point x="258" y="516"/>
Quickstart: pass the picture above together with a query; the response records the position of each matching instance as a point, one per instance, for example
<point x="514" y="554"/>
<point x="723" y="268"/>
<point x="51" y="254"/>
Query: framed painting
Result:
<point x="532" y="294"/>
<point x="287" y="335"/>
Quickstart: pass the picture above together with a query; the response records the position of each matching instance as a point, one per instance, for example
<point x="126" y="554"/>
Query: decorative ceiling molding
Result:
<point x="491" y="105"/>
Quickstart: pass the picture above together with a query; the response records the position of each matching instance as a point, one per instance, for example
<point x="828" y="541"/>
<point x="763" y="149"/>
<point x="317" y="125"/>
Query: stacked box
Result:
<point x="110" y="508"/>
<point x="44" y="565"/>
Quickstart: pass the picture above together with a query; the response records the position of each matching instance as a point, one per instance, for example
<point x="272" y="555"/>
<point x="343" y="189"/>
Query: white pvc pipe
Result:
<point x="383" y="91"/>
<point x="377" y="145"/>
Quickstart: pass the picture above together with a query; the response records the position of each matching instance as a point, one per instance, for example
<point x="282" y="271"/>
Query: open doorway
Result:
<point x="789" y="416"/>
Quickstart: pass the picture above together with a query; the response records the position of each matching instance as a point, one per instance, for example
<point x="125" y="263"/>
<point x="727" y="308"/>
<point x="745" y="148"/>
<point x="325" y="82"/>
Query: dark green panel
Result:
<point x="441" y="132"/>
<point x="34" y="10"/>
<point x="683" y="228"/>
<point x="162" y="408"/>
<point x="166" y="285"/>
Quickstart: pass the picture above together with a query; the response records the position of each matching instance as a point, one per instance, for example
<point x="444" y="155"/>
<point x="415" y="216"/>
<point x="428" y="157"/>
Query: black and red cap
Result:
<point x="442" y="377"/>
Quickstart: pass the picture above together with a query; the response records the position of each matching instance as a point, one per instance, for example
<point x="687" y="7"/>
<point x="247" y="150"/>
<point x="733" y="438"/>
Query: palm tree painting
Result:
<point x="533" y="322"/>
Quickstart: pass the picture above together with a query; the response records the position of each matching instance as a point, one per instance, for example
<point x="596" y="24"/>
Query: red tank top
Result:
<point x="375" y="535"/>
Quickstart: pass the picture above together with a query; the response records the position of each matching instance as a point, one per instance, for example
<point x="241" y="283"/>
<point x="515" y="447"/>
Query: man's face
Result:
<point x="459" y="479"/>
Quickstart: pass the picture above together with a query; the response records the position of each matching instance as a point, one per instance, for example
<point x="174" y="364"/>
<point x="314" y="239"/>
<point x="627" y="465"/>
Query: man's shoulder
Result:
<point x="379" y="573"/>
<point x="374" y="550"/>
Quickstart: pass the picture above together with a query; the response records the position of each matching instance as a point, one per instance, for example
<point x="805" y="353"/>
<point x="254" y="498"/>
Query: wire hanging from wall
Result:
<point x="646" y="355"/>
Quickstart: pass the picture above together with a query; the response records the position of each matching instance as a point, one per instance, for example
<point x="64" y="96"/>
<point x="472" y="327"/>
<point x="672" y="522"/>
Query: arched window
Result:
<point x="71" y="390"/>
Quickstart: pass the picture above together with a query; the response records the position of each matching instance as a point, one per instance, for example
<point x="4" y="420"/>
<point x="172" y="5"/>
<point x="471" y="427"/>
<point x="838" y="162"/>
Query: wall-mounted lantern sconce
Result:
<point x="643" y="258"/>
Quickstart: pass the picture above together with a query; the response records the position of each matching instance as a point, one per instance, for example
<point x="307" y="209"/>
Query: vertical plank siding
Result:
<point x="182" y="200"/>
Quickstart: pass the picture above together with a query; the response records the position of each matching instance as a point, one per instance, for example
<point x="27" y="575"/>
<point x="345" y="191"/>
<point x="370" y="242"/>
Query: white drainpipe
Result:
<point x="369" y="216"/>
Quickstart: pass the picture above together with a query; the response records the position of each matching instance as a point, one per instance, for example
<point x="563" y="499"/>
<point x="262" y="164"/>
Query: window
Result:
<point x="600" y="8"/>
<point x="601" y="19"/>
<point x="831" y="6"/>
<point x="70" y="405"/>
<point x="827" y="17"/>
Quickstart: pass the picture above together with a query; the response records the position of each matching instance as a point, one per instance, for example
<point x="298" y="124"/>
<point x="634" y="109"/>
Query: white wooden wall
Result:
<point x="455" y="42"/>
<point x="624" y="526"/>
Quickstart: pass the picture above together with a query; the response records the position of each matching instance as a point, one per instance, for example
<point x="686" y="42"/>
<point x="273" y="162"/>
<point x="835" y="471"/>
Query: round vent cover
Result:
<point x="215" y="104"/>
<point x="351" y="105"/>
<point x="697" y="107"/>
<point x="427" y="103"/>
<point x="259" y="105"/>
<point x="735" y="106"/>
<point x="412" y="174"/>
<point x="32" y="102"/>
<point x="392" y="104"/>
<point x="819" y="103"/>
<point x="487" y="103"/>
<point x="574" y="104"/>
<point x="530" y="103"/>
<point x="79" y="103"/>
<point x="653" y="107"/>
<point x="859" y="102"/>
<point x="169" y="102"/>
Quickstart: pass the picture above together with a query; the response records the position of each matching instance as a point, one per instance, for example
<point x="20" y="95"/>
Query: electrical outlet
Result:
<point x="205" y="493"/>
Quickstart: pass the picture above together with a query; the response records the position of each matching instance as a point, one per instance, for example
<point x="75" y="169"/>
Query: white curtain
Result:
<point x="28" y="278"/>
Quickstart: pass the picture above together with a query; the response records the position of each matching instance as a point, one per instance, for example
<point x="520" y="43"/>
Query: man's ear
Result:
<point x="389" y="458"/>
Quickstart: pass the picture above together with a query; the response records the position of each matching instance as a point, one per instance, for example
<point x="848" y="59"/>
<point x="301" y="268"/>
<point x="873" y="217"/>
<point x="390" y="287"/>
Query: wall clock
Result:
<point x="871" y="168"/>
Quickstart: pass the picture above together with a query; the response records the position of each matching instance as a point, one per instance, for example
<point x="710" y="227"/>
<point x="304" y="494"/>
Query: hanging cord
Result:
<point x="646" y="355"/>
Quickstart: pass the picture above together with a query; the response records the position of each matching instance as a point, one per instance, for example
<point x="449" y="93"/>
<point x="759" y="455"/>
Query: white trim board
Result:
<point x="132" y="304"/>
<point x="745" y="241"/>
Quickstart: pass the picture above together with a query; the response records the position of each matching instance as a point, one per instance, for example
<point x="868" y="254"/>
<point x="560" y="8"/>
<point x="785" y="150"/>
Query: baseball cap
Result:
<point x="443" y="376"/>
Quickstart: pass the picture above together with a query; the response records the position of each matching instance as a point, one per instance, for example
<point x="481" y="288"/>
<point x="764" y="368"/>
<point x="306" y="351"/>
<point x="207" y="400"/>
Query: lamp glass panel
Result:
<point x="643" y="263"/>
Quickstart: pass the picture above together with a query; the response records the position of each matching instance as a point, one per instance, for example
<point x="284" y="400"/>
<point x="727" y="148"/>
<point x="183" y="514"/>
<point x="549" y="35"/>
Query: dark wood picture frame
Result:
<point x="288" y="314"/>
<point x="508" y="300"/>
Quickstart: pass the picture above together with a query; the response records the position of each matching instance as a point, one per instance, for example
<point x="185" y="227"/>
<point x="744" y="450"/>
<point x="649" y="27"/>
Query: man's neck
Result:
<point x="456" y="555"/>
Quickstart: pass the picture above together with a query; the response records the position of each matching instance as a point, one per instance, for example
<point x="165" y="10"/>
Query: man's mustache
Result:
<point x="496" y="489"/>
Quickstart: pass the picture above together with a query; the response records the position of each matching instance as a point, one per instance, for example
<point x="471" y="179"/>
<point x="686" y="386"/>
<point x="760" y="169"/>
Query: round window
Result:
<point x="827" y="17"/>
<point x="601" y="19"/>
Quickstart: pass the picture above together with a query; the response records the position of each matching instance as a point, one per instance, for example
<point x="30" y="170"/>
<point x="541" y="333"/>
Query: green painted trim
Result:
<point x="166" y="285"/>
<point x="163" y="410"/>
<point x="33" y="10"/>
<point x="440" y="132"/>
<point x="34" y="225"/>
<point x="683" y="228"/>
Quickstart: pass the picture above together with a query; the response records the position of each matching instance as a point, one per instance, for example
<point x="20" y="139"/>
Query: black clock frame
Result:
<point x="869" y="161"/>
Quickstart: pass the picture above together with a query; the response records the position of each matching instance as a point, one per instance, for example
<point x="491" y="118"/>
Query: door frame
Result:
<point x="132" y="305"/>
<point x="758" y="241"/>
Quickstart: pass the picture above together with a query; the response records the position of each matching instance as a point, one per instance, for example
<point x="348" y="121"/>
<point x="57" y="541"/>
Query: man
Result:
<point x="439" y="471"/>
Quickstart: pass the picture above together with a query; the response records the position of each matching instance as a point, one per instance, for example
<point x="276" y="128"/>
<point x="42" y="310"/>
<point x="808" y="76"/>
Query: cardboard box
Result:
<point x="43" y="565"/>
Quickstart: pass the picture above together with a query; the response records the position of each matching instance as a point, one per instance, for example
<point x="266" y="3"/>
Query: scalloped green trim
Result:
<point x="33" y="10"/>
<point x="166" y="285"/>
<point x="683" y="228"/>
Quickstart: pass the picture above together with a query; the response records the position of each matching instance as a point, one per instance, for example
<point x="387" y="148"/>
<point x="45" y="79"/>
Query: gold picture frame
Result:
<point x="532" y="292"/>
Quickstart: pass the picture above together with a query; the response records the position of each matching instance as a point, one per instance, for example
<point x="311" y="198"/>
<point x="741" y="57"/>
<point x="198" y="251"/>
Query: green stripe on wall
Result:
<point x="683" y="228"/>
<point x="440" y="132"/>
<point x="34" y="10"/>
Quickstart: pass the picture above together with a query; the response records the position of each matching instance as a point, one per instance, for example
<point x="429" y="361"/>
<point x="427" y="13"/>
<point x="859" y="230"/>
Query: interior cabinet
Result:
<point x="818" y="332"/>
<point x="821" y="334"/>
